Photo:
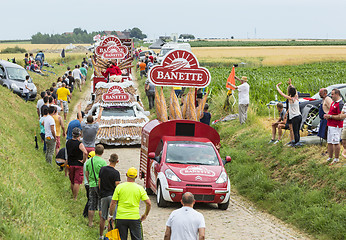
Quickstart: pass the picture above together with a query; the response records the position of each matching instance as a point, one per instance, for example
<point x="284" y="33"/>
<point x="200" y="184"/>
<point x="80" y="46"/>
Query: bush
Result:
<point x="15" y="49"/>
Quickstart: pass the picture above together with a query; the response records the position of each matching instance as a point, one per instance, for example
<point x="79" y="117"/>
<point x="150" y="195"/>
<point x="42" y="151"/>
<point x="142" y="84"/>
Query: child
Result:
<point x="205" y="118"/>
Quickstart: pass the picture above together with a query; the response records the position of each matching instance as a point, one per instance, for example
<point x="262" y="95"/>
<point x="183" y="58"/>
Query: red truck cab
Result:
<point x="180" y="156"/>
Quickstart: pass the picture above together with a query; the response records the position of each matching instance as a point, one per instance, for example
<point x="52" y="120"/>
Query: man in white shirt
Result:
<point x="40" y="104"/>
<point x="49" y="128"/>
<point x="244" y="99"/>
<point x="185" y="223"/>
<point x="26" y="89"/>
<point x="76" y="74"/>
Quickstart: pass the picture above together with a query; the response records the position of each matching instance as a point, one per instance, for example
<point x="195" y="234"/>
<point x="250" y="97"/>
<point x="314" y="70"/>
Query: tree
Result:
<point x="137" y="33"/>
<point x="79" y="31"/>
<point x="187" y="36"/>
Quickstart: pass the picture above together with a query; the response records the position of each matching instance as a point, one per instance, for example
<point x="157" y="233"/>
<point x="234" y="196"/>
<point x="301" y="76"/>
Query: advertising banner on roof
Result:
<point x="116" y="94"/>
<point x="180" y="68"/>
<point x="111" y="48"/>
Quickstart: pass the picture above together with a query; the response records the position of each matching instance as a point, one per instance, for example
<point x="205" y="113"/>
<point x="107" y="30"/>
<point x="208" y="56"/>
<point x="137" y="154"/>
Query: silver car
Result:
<point x="13" y="76"/>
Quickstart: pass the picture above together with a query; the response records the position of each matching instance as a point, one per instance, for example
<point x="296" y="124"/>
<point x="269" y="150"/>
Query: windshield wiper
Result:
<point x="179" y="162"/>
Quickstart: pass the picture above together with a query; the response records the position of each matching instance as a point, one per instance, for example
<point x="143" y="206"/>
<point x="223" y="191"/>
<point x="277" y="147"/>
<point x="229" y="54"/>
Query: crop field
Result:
<point x="268" y="56"/>
<point x="31" y="47"/>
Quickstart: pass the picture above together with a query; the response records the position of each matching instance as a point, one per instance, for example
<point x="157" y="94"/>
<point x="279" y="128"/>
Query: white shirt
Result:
<point x="344" y="111"/>
<point x="49" y="121"/>
<point x="59" y="109"/>
<point x="39" y="105"/>
<point x="184" y="223"/>
<point x="76" y="73"/>
<point x="25" y="90"/>
<point x="243" y="95"/>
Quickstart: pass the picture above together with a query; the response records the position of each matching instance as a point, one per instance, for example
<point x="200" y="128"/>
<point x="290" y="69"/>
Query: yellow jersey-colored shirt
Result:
<point x="129" y="195"/>
<point x="63" y="93"/>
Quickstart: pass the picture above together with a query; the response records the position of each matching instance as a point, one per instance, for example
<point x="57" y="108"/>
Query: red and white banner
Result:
<point x="180" y="68"/>
<point x="116" y="94"/>
<point x="111" y="48"/>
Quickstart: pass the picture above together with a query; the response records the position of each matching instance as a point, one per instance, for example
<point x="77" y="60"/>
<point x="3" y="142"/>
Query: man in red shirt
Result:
<point x="113" y="71"/>
<point x="334" y="126"/>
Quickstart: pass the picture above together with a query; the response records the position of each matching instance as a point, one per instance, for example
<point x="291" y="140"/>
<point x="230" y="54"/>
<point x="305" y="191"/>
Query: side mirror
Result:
<point x="228" y="159"/>
<point x="151" y="155"/>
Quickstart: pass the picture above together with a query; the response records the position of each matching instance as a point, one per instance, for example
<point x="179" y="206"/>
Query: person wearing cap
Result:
<point x="243" y="98"/>
<point x="92" y="170"/>
<point x="76" y="156"/>
<point x="86" y="185"/>
<point x="127" y="197"/>
<point x="75" y="123"/>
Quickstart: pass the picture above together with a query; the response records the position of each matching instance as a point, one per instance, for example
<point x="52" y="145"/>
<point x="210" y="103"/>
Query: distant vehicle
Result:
<point x="13" y="76"/>
<point x="168" y="47"/>
<point x="143" y="53"/>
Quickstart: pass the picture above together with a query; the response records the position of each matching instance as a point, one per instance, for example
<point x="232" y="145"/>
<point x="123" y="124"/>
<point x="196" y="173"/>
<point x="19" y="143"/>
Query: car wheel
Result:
<point x="159" y="198"/>
<point x="223" y="206"/>
<point x="149" y="191"/>
<point x="313" y="113"/>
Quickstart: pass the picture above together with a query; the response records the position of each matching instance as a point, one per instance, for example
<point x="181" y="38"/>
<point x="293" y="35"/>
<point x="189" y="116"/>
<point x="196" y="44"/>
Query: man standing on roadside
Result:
<point x="63" y="93"/>
<point x="92" y="169"/>
<point x="89" y="129"/>
<point x="76" y="74"/>
<point x="323" y="109"/>
<point x="109" y="179"/>
<point x="185" y="223"/>
<point x="128" y="196"/>
<point x="40" y="104"/>
<point x="74" y="123"/>
<point x="243" y="98"/>
<point x="50" y="136"/>
<point x="334" y="126"/>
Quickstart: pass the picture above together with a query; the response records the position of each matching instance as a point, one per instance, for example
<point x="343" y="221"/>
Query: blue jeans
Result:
<point x="43" y="137"/>
<point x="26" y="97"/>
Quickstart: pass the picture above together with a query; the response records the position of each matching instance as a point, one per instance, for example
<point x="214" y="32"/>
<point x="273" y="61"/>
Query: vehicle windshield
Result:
<point x="18" y="74"/>
<point x="187" y="152"/>
<point x="164" y="51"/>
<point x="118" y="112"/>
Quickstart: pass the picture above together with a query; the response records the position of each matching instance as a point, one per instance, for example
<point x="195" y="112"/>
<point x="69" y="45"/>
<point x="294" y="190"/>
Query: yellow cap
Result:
<point x="91" y="154"/>
<point x="132" y="172"/>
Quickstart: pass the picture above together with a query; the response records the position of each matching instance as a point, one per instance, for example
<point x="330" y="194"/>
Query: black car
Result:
<point x="13" y="76"/>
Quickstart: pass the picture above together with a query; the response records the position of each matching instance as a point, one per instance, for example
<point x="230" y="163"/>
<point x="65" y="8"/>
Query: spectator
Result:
<point x="244" y="100"/>
<point x="294" y="111"/>
<point x="150" y="92"/>
<point x="151" y="57"/>
<point x="90" y="62"/>
<point x="84" y="72"/>
<point x="84" y="62"/>
<point x="74" y="124"/>
<point x="68" y="70"/>
<point x="42" y="131"/>
<point x="31" y="58"/>
<point x="142" y="67"/>
<point x="113" y="72"/>
<point x="71" y="80"/>
<point x="60" y="158"/>
<point x="178" y="91"/>
<point x="40" y="57"/>
<point x="92" y="169"/>
<point x="76" y="74"/>
<point x="335" y="125"/>
<point x="108" y="180"/>
<point x="45" y="104"/>
<point x="128" y="196"/>
<point x="280" y="124"/>
<point x="76" y="156"/>
<point x="59" y="83"/>
<point x="26" y="89"/>
<point x="51" y="103"/>
<point x="50" y="137"/>
<point x="26" y="61"/>
<point x="146" y="61"/>
<point x="206" y="116"/>
<point x="86" y="185"/>
<point x="63" y="93"/>
<point x="323" y="109"/>
<point x="185" y="222"/>
<point x="59" y="124"/>
<point x="53" y="94"/>
<point x="40" y="104"/>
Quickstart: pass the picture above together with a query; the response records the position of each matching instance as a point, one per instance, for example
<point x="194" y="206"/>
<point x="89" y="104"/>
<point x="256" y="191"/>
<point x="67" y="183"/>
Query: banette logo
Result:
<point x="111" y="48"/>
<point x="116" y="94"/>
<point x="194" y="170"/>
<point x="180" y="68"/>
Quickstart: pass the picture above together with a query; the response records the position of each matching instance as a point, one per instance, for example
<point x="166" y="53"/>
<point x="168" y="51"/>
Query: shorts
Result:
<point x="64" y="105"/>
<point x="95" y="199"/>
<point x="105" y="204"/>
<point x="89" y="149"/>
<point x="343" y="134"/>
<point x="76" y="174"/>
<point x="57" y="142"/>
<point x="333" y="135"/>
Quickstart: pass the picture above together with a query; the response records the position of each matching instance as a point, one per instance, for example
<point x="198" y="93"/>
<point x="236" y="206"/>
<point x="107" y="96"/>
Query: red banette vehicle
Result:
<point x="180" y="156"/>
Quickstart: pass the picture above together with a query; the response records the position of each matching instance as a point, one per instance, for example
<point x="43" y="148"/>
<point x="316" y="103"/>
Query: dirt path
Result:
<point x="240" y="221"/>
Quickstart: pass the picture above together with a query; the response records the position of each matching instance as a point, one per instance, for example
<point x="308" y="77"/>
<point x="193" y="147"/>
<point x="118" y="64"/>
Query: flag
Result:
<point x="231" y="79"/>
<point x="62" y="54"/>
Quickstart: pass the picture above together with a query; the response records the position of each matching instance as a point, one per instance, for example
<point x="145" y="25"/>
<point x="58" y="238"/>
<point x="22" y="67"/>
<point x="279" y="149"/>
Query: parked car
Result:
<point x="13" y="76"/>
<point x="143" y="53"/>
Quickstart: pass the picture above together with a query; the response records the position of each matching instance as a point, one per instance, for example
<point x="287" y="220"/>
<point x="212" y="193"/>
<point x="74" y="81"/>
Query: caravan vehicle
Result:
<point x="168" y="47"/>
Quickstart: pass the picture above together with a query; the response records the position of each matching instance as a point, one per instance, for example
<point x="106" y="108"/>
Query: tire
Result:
<point x="149" y="191"/>
<point x="159" y="198"/>
<point x="223" y="206"/>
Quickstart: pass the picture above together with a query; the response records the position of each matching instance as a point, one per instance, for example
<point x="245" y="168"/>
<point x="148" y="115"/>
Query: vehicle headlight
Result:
<point x="14" y="86"/>
<point x="222" y="178"/>
<point x="34" y="88"/>
<point x="171" y="175"/>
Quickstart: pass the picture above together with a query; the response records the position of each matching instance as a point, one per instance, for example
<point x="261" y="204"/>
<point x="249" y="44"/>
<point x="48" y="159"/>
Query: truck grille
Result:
<point x="197" y="185"/>
<point x="207" y="198"/>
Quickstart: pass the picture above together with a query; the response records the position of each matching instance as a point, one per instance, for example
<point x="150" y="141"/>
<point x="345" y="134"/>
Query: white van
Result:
<point x="172" y="46"/>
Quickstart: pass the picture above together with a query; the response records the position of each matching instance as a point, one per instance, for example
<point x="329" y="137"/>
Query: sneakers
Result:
<point x="290" y="144"/>
<point x="336" y="160"/>
<point x="298" y="144"/>
<point x="329" y="159"/>
<point x="272" y="141"/>
<point x="277" y="141"/>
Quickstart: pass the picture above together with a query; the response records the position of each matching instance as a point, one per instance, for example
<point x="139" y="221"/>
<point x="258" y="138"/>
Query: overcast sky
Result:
<point x="203" y="18"/>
